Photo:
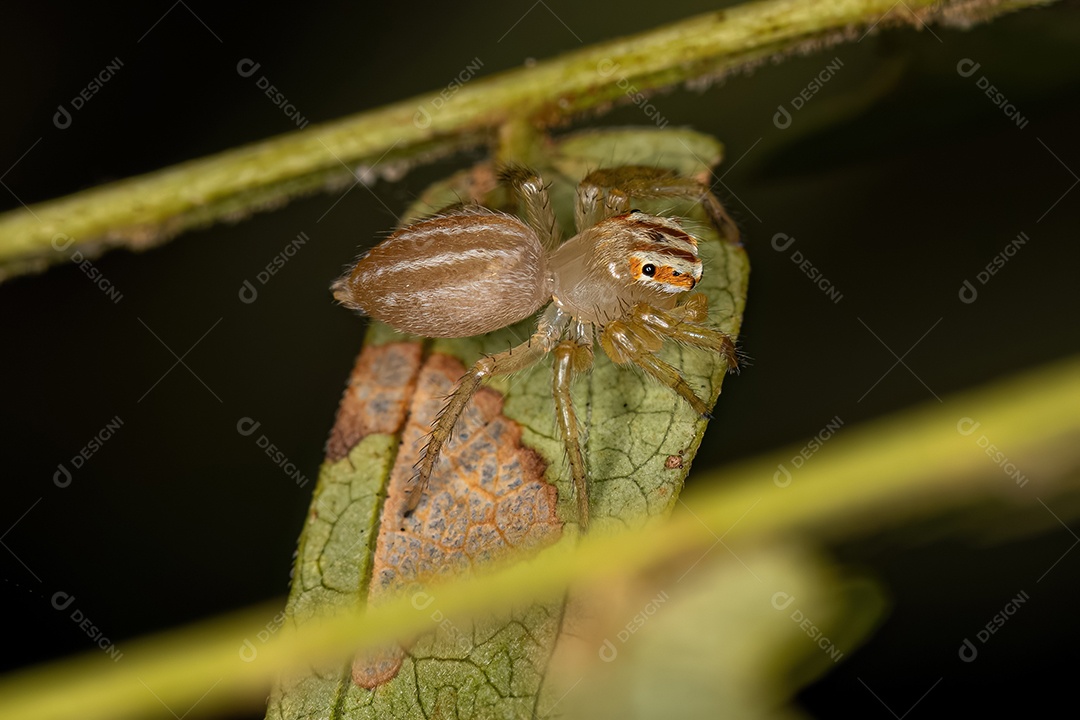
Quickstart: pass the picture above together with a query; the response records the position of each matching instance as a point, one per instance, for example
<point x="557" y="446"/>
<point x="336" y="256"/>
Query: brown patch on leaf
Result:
<point x="373" y="668"/>
<point x="487" y="497"/>
<point x="673" y="462"/>
<point x="377" y="397"/>
<point x="481" y="179"/>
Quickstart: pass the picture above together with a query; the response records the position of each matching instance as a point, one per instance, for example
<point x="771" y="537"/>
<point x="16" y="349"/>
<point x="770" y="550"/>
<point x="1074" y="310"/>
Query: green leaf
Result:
<point x="503" y="485"/>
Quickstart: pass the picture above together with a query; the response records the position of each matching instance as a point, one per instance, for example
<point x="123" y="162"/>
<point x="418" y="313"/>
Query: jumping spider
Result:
<point x="470" y="270"/>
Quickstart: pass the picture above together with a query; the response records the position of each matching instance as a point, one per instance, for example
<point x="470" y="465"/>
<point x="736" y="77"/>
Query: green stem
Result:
<point x="149" y="209"/>
<point x="912" y="465"/>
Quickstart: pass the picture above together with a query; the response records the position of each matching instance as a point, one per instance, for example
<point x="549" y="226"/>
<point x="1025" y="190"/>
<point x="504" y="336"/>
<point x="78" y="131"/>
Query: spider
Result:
<point x="470" y="270"/>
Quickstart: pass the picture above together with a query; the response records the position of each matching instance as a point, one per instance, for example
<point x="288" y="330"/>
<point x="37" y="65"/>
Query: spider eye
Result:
<point x="649" y="270"/>
<point x="676" y="273"/>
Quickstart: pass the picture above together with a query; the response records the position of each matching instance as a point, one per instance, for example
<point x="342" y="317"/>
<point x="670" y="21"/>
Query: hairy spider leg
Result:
<point x="681" y="325"/>
<point x="607" y="192"/>
<point x="532" y="194"/>
<point x="547" y="334"/>
<point x="572" y="358"/>
<point x="632" y="341"/>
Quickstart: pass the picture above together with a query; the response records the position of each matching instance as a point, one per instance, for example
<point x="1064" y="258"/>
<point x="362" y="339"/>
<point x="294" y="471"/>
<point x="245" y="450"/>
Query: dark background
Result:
<point x="899" y="179"/>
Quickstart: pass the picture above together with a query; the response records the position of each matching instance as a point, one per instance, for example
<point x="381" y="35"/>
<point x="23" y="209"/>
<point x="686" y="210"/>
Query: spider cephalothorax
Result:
<point x="471" y="270"/>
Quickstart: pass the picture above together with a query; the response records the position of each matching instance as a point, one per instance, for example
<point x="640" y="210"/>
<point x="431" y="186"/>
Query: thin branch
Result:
<point x="149" y="209"/>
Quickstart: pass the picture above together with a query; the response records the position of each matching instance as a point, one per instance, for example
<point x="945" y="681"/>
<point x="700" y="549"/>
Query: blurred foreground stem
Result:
<point x="907" y="466"/>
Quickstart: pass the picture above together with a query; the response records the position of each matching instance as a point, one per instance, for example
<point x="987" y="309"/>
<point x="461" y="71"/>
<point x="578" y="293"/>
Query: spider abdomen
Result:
<point x="451" y="276"/>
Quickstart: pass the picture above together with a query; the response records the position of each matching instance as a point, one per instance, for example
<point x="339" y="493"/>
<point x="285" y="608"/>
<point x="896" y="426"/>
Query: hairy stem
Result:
<point x="150" y="209"/>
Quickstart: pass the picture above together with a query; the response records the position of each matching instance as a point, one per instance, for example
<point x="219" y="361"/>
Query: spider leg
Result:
<point x="682" y="325"/>
<point x="632" y="341"/>
<point x="532" y="193"/>
<point x="607" y="192"/>
<point x="517" y="358"/>
<point x="592" y="204"/>
<point x="572" y="358"/>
